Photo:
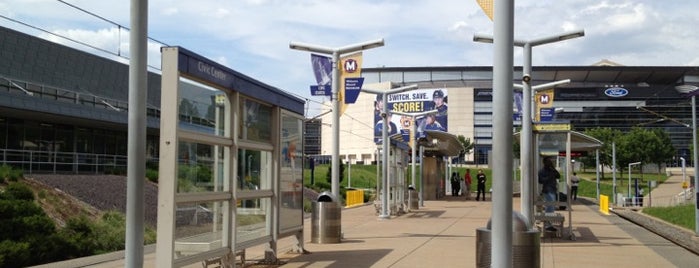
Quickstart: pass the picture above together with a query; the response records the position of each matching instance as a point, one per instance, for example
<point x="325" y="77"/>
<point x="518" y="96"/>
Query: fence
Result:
<point x="63" y="162"/>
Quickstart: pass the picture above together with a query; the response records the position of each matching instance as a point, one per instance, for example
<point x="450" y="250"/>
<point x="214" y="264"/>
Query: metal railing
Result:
<point x="31" y="161"/>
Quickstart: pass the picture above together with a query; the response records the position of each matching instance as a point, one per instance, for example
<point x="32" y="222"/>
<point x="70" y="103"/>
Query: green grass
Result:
<point x="364" y="176"/>
<point x="588" y="183"/>
<point x="679" y="215"/>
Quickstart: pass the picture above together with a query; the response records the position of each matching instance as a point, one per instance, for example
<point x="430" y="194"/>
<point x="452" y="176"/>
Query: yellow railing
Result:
<point x="354" y="198"/>
<point x="604" y="204"/>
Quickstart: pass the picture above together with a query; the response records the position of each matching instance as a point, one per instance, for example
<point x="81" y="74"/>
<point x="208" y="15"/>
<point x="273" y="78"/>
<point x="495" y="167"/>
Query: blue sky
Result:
<point x="252" y="36"/>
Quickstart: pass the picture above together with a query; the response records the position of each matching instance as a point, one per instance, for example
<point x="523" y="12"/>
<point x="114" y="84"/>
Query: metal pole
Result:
<point x="384" y="145"/>
<point x="422" y="176"/>
<point x="502" y="133"/>
<point x="136" y="169"/>
<point x="597" y="171"/>
<point x="335" y="150"/>
<point x="614" y="173"/>
<point x="525" y="154"/>
<point x="696" y="165"/>
<point x="413" y="156"/>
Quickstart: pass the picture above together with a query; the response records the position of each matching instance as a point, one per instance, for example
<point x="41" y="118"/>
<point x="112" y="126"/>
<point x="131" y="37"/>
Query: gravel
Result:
<point x="104" y="192"/>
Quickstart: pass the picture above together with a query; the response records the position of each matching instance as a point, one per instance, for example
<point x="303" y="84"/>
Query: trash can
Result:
<point x="326" y="219"/>
<point x="412" y="198"/>
<point x="525" y="244"/>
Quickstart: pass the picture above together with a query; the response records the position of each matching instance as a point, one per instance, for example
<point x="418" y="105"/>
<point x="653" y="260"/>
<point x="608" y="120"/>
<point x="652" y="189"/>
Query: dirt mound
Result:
<point x="103" y="192"/>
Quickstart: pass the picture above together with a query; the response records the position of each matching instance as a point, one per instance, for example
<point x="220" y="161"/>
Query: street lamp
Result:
<point x="526" y="152"/>
<point x="385" y="142"/>
<point x="336" y="53"/>
<point x="692" y="90"/>
<point x="413" y="142"/>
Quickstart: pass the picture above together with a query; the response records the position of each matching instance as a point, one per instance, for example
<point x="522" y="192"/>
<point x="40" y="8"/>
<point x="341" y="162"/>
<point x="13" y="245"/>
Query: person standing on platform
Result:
<point x="548" y="177"/>
<point x="454" y="184"/>
<point x="574" y="186"/>
<point x="467" y="181"/>
<point x="481" y="185"/>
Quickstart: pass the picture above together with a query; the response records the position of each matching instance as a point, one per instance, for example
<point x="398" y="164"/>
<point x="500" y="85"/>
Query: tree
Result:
<point x="607" y="136"/>
<point x="468" y="147"/>
<point x="329" y="177"/>
<point x="664" y="150"/>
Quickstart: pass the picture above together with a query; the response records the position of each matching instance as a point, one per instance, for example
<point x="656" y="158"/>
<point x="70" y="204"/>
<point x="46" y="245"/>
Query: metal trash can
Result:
<point x="326" y="219"/>
<point x="412" y="198"/>
<point x="525" y="244"/>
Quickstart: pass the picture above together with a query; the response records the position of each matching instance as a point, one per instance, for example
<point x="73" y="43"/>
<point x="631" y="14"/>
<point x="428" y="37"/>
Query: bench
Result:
<point x="556" y="219"/>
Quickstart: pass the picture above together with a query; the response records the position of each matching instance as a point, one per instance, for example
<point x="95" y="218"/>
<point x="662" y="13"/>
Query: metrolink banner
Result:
<point x="413" y="101"/>
<point x="544" y="106"/>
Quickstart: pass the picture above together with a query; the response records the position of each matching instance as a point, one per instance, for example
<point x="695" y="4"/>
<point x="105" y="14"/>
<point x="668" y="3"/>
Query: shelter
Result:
<point x="556" y="139"/>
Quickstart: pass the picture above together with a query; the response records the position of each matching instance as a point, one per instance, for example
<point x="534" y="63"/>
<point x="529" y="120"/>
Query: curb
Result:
<point x="678" y="235"/>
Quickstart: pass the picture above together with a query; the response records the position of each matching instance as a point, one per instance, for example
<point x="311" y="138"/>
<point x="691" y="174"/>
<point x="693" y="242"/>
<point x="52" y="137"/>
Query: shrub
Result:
<point x="19" y="191"/>
<point x="152" y="175"/>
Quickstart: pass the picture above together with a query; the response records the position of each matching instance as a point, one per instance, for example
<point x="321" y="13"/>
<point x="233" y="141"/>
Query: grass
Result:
<point x="682" y="215"/>
<point x="587" y="186"/>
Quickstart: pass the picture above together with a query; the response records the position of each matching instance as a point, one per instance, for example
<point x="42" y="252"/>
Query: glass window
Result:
<point x="200" y="167"/>
<point x="256" y="121"/>
<point x="254" y="170"/>
<point x="202" y="108"/>
<point x="3" y="133"/>
<point x="198" y="228"/>
<point x="253" y="219"/>
<point x="291" y="177"/>
<point x="482" y="119"/>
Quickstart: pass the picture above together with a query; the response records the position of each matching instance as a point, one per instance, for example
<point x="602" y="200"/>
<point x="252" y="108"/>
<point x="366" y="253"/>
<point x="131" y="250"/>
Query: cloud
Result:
<point x="252" y="36"/>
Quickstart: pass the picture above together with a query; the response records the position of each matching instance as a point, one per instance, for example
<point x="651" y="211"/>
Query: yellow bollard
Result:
<point x="604" y="204"/>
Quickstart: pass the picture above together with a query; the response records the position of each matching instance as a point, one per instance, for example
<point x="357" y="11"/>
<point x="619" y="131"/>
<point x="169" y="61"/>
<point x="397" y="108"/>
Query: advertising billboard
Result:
<point x="413" y="101"/>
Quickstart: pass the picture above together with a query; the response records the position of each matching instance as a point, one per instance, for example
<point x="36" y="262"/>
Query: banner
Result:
<point x="322" y="69"/>
<point x="350" y="67"/>
<point x="543" y="100"/>
<point x="413" y="101"/>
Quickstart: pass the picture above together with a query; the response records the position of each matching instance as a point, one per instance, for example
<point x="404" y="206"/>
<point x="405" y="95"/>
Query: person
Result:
<point x="378" y="108"/>
<point x="454" y="184"/>
<point x="378" y="128"/>
<point x="439" y="103"/>
<point x="548" y="178"/>
<point x="462" y="185"/>
<point x="480" y="177"/>
<point x="432" y="124"/>
<point x="467" y="181"/>
<point x="574" y="186"/>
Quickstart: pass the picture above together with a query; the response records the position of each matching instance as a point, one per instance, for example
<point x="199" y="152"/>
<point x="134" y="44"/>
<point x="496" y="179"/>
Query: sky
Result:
<point x="253" y="36"/>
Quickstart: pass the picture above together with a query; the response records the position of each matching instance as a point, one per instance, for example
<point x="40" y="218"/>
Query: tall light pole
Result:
<point x="336" y="54"/>
<point x="693" y="91"/>
<point x="526" y="153"/>
<point x="385" y="143"/>
<point x="413" y="142"/>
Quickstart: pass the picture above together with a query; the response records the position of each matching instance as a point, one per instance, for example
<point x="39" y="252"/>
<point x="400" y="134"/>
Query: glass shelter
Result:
<point x="232" y="182"/>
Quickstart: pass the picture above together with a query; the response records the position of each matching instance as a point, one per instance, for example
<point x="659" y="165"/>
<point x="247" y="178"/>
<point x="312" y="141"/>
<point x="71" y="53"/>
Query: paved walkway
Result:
<point x="443" y="234"/>
<point x="668" y="192"/>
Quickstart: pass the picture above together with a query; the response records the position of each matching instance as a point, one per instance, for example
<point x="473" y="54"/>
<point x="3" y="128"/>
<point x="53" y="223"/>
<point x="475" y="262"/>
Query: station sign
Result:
<point x="552" y="127"/>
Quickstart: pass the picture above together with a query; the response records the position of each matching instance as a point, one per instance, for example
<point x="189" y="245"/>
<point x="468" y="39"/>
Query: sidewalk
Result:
<point x="443" y="234"/>
<point x="664" y="194"/>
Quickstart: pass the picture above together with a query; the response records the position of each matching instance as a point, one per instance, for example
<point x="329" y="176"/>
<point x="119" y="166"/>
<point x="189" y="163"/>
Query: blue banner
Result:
<point x="353" y="86"/>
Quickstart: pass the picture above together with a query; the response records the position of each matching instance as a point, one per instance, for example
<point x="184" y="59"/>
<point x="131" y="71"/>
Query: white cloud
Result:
<point x="252" y="36"/>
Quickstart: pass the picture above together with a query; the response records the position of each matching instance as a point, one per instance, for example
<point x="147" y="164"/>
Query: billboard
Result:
<point x="413" y="101"/>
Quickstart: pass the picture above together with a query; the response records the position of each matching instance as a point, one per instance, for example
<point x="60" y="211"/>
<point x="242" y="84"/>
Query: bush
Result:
<point x="18" y="191"/>
<point x="152" y="175"/>
<point x="8" y="172"/>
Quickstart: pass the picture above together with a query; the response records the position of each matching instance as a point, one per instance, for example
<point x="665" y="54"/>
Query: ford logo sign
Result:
<point x="616" y="92"/>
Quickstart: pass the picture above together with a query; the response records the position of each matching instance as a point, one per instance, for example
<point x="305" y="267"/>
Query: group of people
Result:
<point x="463" y="187"/>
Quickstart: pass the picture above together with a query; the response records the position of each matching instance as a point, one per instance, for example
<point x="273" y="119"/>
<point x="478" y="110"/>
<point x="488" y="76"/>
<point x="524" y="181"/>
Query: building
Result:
<point x="602" y="95"/>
